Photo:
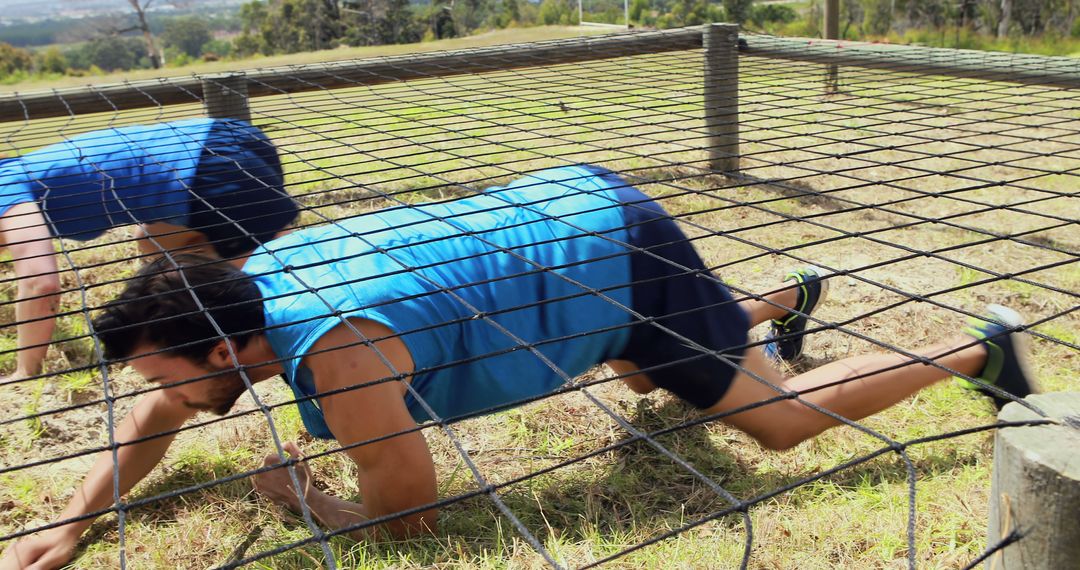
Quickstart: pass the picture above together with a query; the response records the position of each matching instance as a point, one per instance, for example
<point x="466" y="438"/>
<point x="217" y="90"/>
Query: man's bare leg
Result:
<point x="25" y="234"/>
<point x="770" y="306"/>
<point x="638" y="383"/>
<point x="786" y="423"/>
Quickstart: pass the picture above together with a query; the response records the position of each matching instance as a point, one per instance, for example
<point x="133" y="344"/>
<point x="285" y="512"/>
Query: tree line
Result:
<point x="288" y="26"/>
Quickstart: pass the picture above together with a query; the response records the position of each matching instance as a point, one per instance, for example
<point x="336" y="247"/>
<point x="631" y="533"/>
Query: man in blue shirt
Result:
<point x="211" y="185"/>
<point x="448" y="310"/>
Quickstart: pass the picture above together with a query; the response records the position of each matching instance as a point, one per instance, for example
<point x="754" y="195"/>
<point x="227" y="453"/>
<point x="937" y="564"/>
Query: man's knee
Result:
<point x="779" y="439"/>
<point x="775" y="426"/>
<point x="639" y="383"/>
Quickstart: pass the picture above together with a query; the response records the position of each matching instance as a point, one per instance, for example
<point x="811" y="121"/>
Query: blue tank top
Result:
<point x="427" y="279"/>
<point x="111" y="177"/>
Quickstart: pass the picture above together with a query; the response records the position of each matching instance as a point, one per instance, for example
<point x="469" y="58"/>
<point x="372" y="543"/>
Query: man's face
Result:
<point x="215" y="394"/>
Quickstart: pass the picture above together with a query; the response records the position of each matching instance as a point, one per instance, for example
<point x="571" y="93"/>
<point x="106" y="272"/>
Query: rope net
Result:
<point x="926" y="196"/>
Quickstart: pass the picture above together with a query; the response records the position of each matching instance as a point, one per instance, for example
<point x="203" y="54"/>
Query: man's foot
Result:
<point x="786" y="336"/>
<point x="1006" y="365"/>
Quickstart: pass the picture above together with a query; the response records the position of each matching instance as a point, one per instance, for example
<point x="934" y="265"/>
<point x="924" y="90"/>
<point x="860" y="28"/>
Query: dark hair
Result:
<point x="159" y="307"/>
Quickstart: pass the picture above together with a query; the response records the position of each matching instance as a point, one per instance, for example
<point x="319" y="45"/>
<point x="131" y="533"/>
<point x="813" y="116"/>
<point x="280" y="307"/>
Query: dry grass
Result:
<point x="883" y="139"/>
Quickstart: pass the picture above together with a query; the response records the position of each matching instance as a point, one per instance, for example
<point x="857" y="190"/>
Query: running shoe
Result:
<point x="786" y="335"/>
<point x="1006" y="354"/>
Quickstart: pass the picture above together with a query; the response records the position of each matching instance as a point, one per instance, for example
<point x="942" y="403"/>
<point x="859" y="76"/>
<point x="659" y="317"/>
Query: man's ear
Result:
<point x="219" y="356"/>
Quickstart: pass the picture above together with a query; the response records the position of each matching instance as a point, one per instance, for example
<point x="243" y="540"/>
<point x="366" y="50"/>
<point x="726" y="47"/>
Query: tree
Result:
<point x="52" y="60"/>
<point x="738" y="11"/>
<point x="217" y="49"/>
<point x="250" y="40"/>
<point x="691" y="12"/>
<point x="140" y="13"/>
<point x="442" y="22"/>
<point x="471" y="14"/>
<point x="398" y="26"/>
<point x="14" y="59"/>
<point x="187" y="35"/>
<point x="442" y="19"/>
<point x="851" y="12"/>
<point x="289" y="26"/>
<point x="554" y="12"/>
<point x="507" y="13"/>
<point x="877" y="16"/>
<point x="111" y="53"/>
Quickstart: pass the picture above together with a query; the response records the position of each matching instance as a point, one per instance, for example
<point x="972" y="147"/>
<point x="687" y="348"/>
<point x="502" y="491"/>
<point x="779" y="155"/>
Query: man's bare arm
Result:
<point x="395" y="474"/>
<point x="153" y="414"/>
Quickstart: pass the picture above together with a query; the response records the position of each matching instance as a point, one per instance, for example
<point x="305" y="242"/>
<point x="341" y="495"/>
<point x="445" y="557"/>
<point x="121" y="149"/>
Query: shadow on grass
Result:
<point x="617" y="499"/>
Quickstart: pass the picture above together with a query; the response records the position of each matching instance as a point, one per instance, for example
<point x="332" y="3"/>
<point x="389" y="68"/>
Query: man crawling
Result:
<point x="471" y="306"/>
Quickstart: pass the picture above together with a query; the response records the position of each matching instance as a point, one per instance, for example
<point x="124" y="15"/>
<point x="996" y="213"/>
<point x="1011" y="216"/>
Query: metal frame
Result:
<point x="1030" y="69"/>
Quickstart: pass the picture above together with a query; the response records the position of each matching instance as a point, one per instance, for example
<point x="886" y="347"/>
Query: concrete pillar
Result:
<point x="722" y="95"/>
<point x="1036" y="487"/>
<point x="226" y="97"/>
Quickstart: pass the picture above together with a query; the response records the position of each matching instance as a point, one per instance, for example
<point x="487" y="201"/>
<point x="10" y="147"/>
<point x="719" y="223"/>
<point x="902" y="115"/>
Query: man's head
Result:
<point x="179" y="318"/>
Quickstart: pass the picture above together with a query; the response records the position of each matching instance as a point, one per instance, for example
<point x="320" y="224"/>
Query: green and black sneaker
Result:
<point x="1006" y="354"/>
<point x="786" y="335"/>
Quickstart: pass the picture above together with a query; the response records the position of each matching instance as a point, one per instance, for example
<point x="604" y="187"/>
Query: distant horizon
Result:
<point x="15" y="11"/>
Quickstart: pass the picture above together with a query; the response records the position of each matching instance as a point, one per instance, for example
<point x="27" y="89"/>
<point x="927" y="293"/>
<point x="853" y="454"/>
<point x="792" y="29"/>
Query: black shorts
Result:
<point x="688" y="304"/>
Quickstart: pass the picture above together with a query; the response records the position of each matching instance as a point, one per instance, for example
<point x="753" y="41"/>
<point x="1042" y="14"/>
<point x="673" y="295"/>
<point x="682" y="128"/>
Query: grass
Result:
<point x="447" y="137"/>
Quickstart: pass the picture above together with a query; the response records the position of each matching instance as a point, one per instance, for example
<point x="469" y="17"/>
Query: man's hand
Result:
<point x="154" y="413"/>
<point x="277" y="485"/>
<point x="49" y="549"/>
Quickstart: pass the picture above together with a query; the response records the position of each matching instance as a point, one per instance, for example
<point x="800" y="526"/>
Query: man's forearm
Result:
<point x="151" y="415"/>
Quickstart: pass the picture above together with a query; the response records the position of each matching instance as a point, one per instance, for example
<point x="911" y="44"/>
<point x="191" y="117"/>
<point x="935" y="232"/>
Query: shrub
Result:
<point x="770" y="13"/>
<point x="13" y="59"/>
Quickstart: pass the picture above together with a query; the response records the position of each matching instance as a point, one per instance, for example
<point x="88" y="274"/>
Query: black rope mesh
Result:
<point x="926" y="195"/>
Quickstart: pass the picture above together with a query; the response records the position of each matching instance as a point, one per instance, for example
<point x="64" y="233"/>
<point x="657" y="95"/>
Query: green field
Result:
<point x="884" y="179"/>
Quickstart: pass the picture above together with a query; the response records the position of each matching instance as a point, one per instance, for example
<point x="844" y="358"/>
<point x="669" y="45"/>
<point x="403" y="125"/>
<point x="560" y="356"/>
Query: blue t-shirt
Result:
<point x="108" y="178"/>
<point x="441" y="284"/>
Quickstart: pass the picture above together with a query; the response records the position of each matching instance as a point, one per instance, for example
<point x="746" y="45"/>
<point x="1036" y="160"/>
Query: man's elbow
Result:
<point x="402" y="528"/>
<point x="417" y="524"/>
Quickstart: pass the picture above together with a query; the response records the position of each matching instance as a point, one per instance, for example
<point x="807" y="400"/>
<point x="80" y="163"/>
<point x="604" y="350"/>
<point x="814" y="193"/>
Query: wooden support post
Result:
<point x="226" y="97"/>
<point x="832" y="32"/>
<point x="1036" y="486"/>
<point x="722" y="95"/>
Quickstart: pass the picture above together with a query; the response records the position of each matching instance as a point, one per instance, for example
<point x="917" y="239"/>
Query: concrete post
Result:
<point x="832" y="32"/>
<point x="722" y="95"/>
<point x="226" y="97"/>
<point x="1036" y="486"/>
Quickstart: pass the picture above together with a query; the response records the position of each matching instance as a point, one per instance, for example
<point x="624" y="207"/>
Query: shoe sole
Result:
<point x="822" y="277"/>
<point x="1012" y="319"/>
